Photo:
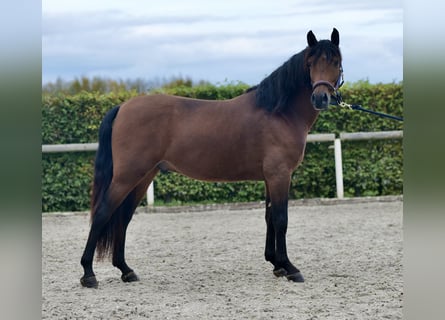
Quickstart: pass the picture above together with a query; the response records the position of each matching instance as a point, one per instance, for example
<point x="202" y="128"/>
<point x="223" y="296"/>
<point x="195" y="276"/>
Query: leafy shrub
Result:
<point x="370" y="168"/>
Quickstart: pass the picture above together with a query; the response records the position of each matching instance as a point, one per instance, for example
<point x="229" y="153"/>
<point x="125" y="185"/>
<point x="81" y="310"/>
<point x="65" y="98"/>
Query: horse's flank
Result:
<point x="225" y="140"/>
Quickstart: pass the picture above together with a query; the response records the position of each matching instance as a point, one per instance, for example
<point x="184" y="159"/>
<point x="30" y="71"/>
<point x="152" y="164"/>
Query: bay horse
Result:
<point x="259" y="135"/>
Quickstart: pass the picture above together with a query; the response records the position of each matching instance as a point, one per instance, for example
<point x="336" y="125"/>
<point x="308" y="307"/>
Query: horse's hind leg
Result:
<point x="126" y="212"/>
<point x="106" y="227"/>
<point x="100" y="219"/>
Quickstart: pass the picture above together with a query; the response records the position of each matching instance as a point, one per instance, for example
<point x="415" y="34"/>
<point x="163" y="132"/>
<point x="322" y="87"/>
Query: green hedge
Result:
<point x="370" y="167"/>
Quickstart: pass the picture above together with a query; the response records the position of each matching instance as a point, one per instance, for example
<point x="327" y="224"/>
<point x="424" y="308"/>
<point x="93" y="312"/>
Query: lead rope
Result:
<point x="338" y="101"/>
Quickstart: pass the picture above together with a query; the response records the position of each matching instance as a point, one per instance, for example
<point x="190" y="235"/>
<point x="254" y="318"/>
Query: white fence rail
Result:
<point x="323" y="137"/>
<point x="72" y="147"/>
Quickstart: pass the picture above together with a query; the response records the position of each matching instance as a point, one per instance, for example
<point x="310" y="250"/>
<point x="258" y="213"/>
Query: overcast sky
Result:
<point x="218" y="41"/>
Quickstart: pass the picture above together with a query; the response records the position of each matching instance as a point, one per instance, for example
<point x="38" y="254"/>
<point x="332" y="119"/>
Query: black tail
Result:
<point x="103" y="167"/>
<point x="103" y="174"/>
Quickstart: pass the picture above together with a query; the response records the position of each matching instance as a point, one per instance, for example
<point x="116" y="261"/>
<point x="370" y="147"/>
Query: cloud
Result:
<point x="248" y="44"/>
<point x="90" y="43"/>
<point x="78" y="22"/>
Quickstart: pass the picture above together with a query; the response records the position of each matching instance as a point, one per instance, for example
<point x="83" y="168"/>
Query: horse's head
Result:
<point x="323" y="59"/>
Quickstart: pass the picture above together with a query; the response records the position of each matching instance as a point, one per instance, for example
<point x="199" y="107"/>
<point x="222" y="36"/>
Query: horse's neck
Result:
<point x="302" y="109"/>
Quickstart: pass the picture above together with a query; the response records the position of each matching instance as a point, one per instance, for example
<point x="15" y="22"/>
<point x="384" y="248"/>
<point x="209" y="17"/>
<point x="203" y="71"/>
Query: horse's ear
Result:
<point x="311" y="40"/>
<point x="335" y="37"/>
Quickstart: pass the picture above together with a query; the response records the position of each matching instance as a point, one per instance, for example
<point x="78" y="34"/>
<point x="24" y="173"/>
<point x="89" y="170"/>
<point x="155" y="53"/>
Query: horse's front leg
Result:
<point x="277" y="220"/>
<point x="269" y="251"/>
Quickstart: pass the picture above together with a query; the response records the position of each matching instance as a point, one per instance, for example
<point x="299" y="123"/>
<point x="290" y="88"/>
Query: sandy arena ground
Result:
<point x="210" y="265"/>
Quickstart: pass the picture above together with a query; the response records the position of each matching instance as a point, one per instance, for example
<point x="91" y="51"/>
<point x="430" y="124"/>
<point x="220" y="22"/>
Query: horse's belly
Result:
<point x="224" y="171"/>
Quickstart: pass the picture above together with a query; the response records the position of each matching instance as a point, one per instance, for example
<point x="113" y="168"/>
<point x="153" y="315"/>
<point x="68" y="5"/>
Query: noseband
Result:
<point x="324" y="83"/>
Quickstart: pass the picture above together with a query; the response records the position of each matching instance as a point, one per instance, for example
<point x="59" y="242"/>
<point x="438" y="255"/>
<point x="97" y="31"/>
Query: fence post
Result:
<point x="150" y="194"/>
<point x="338" y="168"/>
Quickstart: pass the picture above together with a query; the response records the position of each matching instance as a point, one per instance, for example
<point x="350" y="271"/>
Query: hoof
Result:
<point x="280" y="272"/>
<point x="89" y="282"/>
<point x="130" y="277"/>
<point x="296" y="277"/>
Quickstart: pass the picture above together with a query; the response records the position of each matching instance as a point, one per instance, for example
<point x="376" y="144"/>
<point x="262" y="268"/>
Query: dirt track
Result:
<point x="210" y="265"/>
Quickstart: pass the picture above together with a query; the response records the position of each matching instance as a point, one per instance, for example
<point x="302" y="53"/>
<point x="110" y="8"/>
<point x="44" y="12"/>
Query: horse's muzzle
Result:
<point x="320" y="100"/>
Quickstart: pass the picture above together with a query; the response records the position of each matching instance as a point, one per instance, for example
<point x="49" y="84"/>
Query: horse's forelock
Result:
<point x="323" y="47"/>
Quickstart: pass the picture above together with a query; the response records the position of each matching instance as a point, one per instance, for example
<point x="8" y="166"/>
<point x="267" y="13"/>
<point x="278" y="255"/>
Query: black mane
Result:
<point x="275" y="92"/>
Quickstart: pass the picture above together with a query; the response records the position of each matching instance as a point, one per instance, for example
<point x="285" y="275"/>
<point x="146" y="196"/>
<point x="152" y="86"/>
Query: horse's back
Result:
<point x="186" y="113"/>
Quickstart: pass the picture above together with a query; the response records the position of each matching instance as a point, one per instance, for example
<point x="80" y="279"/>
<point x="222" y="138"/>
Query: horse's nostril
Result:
<point x="325" y="98"/>
<point x="313" y="99"/>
